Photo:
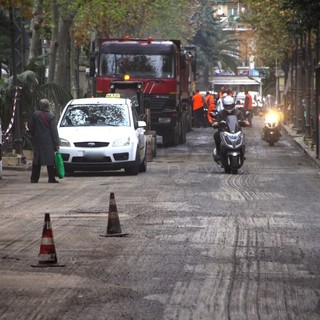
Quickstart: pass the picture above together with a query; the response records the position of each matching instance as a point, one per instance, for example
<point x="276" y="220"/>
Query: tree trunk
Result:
<point x="35" y="29"/>
<point x="62" y="73"/>
<point x="74" y="68"/>
<point x="54" y="41"/>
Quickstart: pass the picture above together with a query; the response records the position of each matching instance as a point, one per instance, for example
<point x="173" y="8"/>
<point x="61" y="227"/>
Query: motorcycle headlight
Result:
<point x="272" y="118"/>
<point x="233" y="140"/>
<point x="121" y="142"/>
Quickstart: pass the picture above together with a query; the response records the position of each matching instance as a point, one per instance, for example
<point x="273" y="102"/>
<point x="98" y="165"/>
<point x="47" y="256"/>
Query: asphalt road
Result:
<point x="201" y="244"/>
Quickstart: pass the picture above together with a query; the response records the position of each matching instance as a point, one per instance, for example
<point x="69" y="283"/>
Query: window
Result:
<point x="96" y="115"/>
<point x="137" y="65"/>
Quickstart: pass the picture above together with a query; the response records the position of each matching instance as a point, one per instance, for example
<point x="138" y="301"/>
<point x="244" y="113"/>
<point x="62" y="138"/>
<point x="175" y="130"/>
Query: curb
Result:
<point x="299" y="140"/>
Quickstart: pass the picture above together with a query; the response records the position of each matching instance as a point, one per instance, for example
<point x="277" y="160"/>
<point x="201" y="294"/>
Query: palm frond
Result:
<point x="54" y="92"/>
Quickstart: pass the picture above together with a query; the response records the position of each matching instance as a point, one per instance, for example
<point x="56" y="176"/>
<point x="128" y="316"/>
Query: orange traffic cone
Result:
<point x="47" y="254"/>
<point x="113" y="228"/>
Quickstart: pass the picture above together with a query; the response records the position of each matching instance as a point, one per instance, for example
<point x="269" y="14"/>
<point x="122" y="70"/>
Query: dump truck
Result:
<point x="165" y="68"/>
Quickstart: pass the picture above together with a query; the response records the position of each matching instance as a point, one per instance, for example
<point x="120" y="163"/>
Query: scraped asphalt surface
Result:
<point x="201" y="244"/>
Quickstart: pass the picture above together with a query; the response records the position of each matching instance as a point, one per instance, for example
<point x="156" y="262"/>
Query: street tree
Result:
<point x="268" y="21"/>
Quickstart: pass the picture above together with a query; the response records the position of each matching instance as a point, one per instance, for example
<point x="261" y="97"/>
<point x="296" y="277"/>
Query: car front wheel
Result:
<point x="143" y="165"/>
<point x="135" y="168"/>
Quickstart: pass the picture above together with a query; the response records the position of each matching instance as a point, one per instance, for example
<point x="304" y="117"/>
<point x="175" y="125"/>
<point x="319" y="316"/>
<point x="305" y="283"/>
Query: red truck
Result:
<point x="167" y="71"/>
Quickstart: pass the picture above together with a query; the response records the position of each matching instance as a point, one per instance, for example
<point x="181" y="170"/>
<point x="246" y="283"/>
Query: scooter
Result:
<point x="271" y="130"/>
<point x="232" y="148"/>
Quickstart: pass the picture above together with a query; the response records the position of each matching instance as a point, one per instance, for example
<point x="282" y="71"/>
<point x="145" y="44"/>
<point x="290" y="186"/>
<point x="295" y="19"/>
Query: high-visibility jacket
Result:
<point x="210" y="100"/>
<point x="220" y="94"/>
<point x="198" y="101"/>
<point x="248" y="102"/>
<point x="211" y="108"/>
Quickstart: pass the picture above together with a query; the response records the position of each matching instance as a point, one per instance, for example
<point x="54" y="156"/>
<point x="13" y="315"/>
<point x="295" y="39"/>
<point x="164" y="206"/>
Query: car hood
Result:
<point x="101" y="134"/>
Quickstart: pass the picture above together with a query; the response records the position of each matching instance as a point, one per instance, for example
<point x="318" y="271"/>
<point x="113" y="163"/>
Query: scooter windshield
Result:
<point x="232" y="121"/>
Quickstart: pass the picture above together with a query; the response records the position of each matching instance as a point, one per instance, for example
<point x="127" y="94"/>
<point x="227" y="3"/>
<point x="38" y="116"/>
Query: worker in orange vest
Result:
<point x="198" y="103"/>
<point x="248" y="108"/>
<point x="211" y="106"/>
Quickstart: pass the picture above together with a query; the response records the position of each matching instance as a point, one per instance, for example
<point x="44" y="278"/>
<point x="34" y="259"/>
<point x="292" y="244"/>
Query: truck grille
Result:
<point x="158" y="102"/>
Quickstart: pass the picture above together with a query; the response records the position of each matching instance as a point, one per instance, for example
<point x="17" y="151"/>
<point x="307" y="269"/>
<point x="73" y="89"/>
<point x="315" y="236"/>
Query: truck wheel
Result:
<point x="189" y="118"/>
<point x="176" y="136"/>
<point x="183" y="135"/>
<point x="154" y="143"/>
<point x="171" y="138"/>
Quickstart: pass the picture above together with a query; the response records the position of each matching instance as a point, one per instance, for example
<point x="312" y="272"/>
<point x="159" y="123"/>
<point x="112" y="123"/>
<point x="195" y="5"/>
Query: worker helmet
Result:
<point x="228" y="104"/>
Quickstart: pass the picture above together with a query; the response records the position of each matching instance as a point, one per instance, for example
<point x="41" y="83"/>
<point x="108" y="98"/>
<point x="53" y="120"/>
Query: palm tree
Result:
<point x="226" y="56"/>
<point x="213" y="49"/>
<point x="33" y="89"/>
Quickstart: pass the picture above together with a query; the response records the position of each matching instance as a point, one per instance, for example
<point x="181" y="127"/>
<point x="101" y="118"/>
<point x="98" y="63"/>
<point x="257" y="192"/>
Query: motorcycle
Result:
<point x="271" y="130"/>
<point x="232" y="148"/>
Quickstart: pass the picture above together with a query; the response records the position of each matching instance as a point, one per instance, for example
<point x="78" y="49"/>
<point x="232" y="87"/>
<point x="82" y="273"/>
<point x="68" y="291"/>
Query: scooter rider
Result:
<point x="221" y="117"/>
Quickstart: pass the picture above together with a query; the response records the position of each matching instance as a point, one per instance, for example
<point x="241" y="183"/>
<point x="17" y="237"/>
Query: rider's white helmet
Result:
<point x="228" y="103"/>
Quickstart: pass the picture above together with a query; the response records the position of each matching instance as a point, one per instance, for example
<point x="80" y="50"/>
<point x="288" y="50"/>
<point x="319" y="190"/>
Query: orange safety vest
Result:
<point x="197" y="101"/>
<point x="210" y="100"/>
<point x="220" y="94"/>
<point x="249" y="105"/>
<point x="211" y="107"/>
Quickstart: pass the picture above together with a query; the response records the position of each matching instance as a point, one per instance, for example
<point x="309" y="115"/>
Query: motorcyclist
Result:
<point x="276" y="116"/>
<point x="221" y="117"/>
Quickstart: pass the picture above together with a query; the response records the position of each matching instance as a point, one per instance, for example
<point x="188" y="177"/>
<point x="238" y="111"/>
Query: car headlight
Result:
<point x="64" y="143"/>
<point x="121" y="142"/>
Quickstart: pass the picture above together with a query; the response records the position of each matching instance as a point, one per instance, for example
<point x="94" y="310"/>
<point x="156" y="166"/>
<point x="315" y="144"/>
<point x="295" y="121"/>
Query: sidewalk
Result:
<point x="305" y="145"/>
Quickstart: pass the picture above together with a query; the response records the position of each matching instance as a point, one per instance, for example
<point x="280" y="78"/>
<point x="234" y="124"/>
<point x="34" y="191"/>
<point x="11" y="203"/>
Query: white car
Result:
<point x="240" y="97"/>
<point x="102" y="134"/>
<point x="256" y="102"/>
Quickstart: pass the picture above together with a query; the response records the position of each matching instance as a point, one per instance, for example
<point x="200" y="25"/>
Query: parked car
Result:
<point x="102" y="134"/>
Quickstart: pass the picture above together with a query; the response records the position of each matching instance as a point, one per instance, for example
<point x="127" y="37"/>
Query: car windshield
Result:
<point x="96" y="115"/>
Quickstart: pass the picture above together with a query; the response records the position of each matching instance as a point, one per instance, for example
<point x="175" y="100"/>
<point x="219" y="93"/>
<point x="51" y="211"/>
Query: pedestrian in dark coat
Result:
<point x="45" y="139"/>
